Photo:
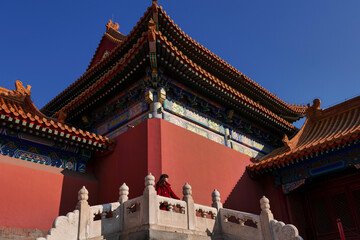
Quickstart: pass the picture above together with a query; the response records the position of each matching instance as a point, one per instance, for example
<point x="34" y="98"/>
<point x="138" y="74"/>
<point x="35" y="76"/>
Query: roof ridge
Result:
<point x="342" y="107"/>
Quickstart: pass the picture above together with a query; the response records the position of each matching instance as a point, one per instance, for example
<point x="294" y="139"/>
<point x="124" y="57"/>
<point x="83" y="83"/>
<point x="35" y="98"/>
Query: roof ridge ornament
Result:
<point x="21" y="89"/>
<point x="151" y="30"/>
<point x="314" y="112"/>
<point x="62" y="116"/>
<point x="288" y="143"/>
<point x="114" y="26"/>
<point x="154" y="6"/>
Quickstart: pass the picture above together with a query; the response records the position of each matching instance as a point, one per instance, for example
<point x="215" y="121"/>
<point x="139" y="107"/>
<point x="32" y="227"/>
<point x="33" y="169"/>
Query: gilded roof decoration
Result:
<point x="21" y="89"/>
<point x="322" y="130"/>
<point x="110" y="25"/>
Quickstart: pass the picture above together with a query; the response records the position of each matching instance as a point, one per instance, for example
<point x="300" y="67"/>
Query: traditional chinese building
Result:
<point x="39" y="155"/>
<point x="153" y="101"/>
<point x="318" y="171"/>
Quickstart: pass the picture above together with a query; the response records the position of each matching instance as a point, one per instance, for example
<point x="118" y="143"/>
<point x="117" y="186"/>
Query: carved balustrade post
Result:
<point x="149" y="207"/>
<point x="123" y="193"/>
<point x="217" y="204"/>
<point x="191" y="214"/>
<point x="265" y="217"/>
<point x="123" y="197"/>
<point x="216" y="200"/>
<point x="84" y="213"/>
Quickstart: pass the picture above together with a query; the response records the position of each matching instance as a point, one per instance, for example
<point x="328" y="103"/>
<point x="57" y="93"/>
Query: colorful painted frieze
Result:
<point x="40" y="140"/>
<point x="241" y="138"/>
<point x="194" y="128"/>
<point x="122" y="118"/>
<point x="127" y="126"/>
<point x="317" y="166"/>
<point x="246" y="150"/>
<point x="288" y="187"/>
<point x="47" y="155"/>
<point x="192" y="115"/>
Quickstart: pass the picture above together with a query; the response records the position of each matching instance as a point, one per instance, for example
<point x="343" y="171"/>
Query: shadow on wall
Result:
<point x="245" y="195"/>
<point x="72" y="183"/>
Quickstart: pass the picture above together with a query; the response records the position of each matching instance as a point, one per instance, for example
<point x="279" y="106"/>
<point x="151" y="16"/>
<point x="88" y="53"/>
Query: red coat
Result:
<point x="166" y="191"/>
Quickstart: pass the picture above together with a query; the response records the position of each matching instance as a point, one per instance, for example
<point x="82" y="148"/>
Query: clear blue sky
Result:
<point x="298" y="50"/>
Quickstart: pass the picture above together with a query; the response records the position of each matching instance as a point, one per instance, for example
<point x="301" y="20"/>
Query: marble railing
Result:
<point x="134" y="218"/>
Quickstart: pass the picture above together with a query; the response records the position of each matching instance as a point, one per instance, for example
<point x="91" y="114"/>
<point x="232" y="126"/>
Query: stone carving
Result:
<point x="64" y="227"/>
<point x="265" y="204"/>
<point x="142" y="215"/>
<point x="216" y="200"/>
<point x="187" y="190"/>
<point x="284" y="231"/>
<point x="265" y="217"/>
<point x="149" y="181"/>
<point x="124" y="193"/>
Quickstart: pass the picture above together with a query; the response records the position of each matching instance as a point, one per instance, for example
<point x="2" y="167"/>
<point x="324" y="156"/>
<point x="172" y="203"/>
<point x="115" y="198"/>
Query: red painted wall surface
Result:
<point x="33" y="195"/>
<point x="278" y="203"/>
<point x="127" y="163"/>
<point x="207" y="165"/>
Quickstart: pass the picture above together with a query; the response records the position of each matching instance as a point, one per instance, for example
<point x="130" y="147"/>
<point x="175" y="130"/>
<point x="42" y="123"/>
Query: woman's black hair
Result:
<point x="162" y="179"/>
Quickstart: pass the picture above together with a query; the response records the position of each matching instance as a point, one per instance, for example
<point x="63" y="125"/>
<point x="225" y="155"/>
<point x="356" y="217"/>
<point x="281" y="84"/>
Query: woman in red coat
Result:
<point x="163" y="188"/>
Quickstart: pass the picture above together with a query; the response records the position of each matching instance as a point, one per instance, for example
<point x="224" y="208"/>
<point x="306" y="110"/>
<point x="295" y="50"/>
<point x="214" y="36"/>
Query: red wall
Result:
<point x="278" y="203"/>
<point x="127" y="163"/>
<point x="31" y="194"/>
<point x="207" y="165"/>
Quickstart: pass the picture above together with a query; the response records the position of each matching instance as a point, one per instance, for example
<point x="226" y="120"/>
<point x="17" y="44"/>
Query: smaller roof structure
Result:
<point x="322" y="130"/>
<point x="18" y="111"/>
<point x="111" y="39"/>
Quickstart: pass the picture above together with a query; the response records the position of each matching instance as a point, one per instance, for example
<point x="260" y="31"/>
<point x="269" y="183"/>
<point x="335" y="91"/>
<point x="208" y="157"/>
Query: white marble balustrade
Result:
<point x="143" y="218"/>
